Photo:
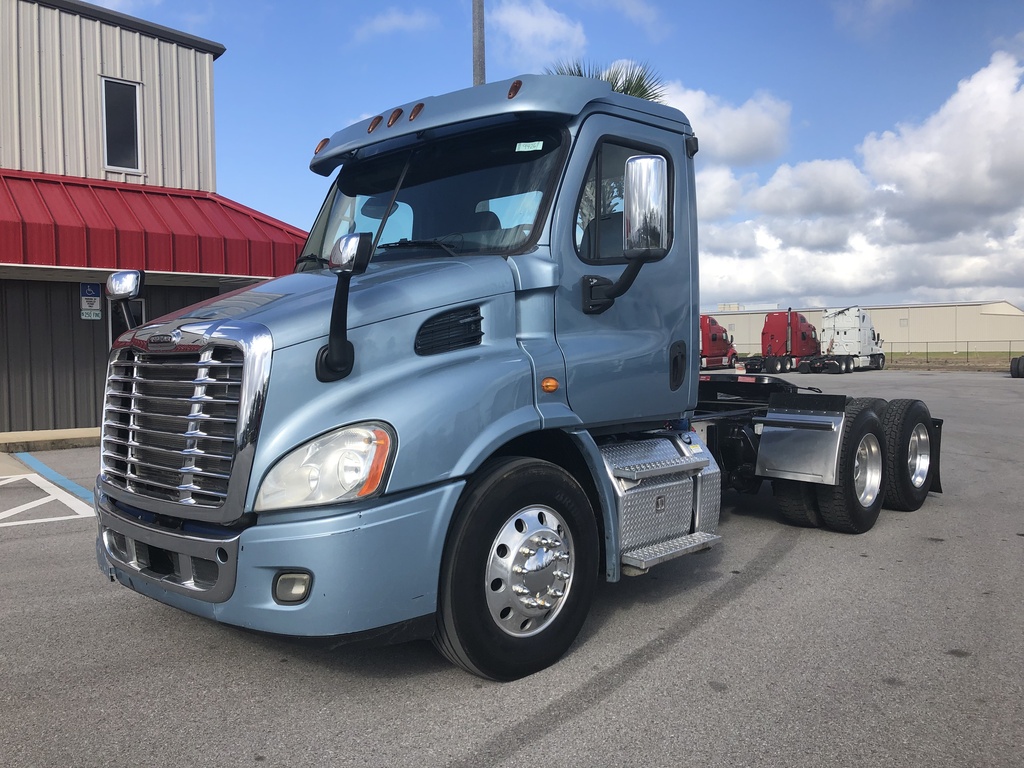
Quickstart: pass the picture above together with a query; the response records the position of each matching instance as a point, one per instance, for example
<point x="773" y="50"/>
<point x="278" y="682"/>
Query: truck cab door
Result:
<point x="636" y="361"/>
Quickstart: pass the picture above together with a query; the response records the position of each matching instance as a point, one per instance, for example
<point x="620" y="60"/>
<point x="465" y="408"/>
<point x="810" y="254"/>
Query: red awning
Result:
<point x="67" y="221"/>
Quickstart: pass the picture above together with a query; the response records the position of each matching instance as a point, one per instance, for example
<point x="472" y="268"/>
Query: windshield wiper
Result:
<point x="436" y="243"/>
<point x="312" y="258"/>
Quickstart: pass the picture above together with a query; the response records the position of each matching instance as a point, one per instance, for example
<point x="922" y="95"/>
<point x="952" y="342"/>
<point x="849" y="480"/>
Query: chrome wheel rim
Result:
<point x="529" y="571"/>
<point x="867" y="470"/>
<point x="919" y="455"/>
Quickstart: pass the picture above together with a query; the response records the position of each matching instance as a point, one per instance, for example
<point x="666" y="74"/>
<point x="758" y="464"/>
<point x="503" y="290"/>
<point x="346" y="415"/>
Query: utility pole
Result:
<point x="479" y="76"/>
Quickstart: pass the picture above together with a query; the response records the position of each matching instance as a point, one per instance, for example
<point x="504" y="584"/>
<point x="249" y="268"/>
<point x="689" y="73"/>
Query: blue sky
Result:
<point x="851" y="150"/>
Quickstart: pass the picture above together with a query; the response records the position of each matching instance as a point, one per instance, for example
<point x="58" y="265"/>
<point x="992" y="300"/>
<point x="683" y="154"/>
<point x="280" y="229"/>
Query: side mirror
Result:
<point x="644" y="229"/>
<point x="349" y="256"/>
<point x="351" y="253"/>
<point x="122" y="287"/>
<point x="645" y="214"/>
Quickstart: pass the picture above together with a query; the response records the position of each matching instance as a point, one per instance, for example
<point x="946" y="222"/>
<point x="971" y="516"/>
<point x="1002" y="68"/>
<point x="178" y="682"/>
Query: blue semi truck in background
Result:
<point x="478" y="394"/>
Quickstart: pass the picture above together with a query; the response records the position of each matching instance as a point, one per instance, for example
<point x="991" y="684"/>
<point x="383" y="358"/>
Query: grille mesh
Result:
<point x="169" y="423"/>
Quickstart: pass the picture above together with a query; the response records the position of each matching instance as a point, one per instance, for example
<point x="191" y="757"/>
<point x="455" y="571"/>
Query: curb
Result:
<point x="49" y="440"/>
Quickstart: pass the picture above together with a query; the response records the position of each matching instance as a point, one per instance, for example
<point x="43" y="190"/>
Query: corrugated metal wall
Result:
<point x="55" y="362"/>
<point x="51" y="119"/>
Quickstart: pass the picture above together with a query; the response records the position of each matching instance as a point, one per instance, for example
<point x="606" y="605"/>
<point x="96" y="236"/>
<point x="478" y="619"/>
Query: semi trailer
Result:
<point x="716" y="345"/>
<point x="478" y="395"/>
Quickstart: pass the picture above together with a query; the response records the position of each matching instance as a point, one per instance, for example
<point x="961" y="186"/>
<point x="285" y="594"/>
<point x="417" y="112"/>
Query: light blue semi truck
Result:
<point x="478" y="394"/>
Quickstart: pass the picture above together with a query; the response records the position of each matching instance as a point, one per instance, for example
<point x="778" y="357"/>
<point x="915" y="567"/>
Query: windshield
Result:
<point x="470" y="193"/>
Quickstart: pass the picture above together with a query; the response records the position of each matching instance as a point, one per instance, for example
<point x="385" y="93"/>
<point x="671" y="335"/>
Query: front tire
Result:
<point x="519" y="570"/>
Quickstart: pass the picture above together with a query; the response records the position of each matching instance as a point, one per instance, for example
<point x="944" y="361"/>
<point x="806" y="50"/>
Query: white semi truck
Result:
<point x="848" y="342"/>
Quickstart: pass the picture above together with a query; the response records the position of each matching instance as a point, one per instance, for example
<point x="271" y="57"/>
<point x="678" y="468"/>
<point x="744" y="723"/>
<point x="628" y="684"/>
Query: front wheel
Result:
<point x="519" y="570"/>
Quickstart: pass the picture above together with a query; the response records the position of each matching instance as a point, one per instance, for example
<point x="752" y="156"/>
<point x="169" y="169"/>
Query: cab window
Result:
<point x="598" y="232"/>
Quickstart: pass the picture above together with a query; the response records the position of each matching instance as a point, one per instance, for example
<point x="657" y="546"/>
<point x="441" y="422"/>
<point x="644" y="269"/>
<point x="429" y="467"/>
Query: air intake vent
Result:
<point x="447" y="332"/>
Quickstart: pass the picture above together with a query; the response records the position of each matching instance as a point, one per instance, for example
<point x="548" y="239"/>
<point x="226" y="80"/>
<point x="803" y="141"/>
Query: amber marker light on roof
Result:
<point x="549" y="385"/>
<point x="514" y="88"/>
<point x="323" y="143"/>
<point x="374" y="123"/>
<point x="416" y="111"/>
<point x="394" y="117"/>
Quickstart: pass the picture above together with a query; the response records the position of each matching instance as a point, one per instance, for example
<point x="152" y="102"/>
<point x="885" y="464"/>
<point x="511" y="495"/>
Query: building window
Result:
<point x="121" y="125"/>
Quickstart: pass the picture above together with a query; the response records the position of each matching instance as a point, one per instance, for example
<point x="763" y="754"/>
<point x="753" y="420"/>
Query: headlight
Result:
<point x="343" y="465"/>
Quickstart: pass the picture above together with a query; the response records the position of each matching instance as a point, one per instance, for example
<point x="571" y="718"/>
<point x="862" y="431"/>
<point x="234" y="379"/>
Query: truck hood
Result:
<point x="297" y="308"/>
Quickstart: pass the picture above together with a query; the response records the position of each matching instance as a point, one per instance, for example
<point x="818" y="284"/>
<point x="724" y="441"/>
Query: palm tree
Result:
<point x="628" y="77"/>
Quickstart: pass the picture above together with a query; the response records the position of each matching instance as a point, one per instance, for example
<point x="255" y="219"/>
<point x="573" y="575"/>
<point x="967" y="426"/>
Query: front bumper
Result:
<point x="372" y="567"/>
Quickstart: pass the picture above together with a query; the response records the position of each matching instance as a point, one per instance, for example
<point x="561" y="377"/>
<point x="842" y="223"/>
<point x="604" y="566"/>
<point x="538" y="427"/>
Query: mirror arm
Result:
<point x="599" y="293"/>
<point x="126" y="313"/>
<point x="335" y="359"/>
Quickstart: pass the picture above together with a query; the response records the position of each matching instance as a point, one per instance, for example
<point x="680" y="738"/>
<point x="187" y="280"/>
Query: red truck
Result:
<point x="786" y="338"/>
<point x="716" y="348"/>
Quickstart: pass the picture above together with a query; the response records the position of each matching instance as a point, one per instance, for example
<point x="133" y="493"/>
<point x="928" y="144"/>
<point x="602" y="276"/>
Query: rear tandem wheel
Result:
<point x="853" y="503"/>
<point x="910" y="467"/>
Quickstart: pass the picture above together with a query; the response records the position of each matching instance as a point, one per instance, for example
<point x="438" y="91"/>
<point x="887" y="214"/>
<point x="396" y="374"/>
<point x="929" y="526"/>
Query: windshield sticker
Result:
<point x="529" y="146"/>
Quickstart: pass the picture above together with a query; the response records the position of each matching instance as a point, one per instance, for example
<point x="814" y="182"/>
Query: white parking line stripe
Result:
<point x="76" y="505"/>
<point x="25" y="507"/>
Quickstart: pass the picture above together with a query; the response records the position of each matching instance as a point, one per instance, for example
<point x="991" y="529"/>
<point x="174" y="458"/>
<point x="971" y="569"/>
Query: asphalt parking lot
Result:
<point x="783" y="646"/>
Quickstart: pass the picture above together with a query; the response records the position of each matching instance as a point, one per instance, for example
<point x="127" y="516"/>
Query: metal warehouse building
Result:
<point x="107" y="162"/>
<point x="995" y="326"/>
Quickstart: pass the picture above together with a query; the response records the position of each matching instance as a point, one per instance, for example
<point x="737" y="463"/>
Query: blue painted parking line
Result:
<point x="56" y="478"/>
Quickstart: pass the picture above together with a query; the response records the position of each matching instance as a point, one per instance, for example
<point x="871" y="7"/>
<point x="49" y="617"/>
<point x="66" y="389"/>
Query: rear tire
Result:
<point x="877" y="404"/>
<point x="519" y="570"/>
<point x="1015" y="365"/>
<point x="910" y="468"/>
<point x="797" y="502"/>
<point x="853" y="504"/>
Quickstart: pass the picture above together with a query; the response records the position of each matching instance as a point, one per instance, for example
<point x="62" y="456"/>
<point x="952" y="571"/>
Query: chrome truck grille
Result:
<point x="176" y="423"/>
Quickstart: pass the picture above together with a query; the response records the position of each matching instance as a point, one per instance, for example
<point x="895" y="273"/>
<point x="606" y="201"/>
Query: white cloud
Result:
<point x="394" y="20"/>
<point x="827" y="187"/>
<point x="865" y="17"/>
<point x="935" y="212"/>
<point x="719" y="193"/>
<point x="643" y="13"/>
<point x="532" y="36"/>
<point x="965" y="163"/>
<point x="753" y="132"/>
